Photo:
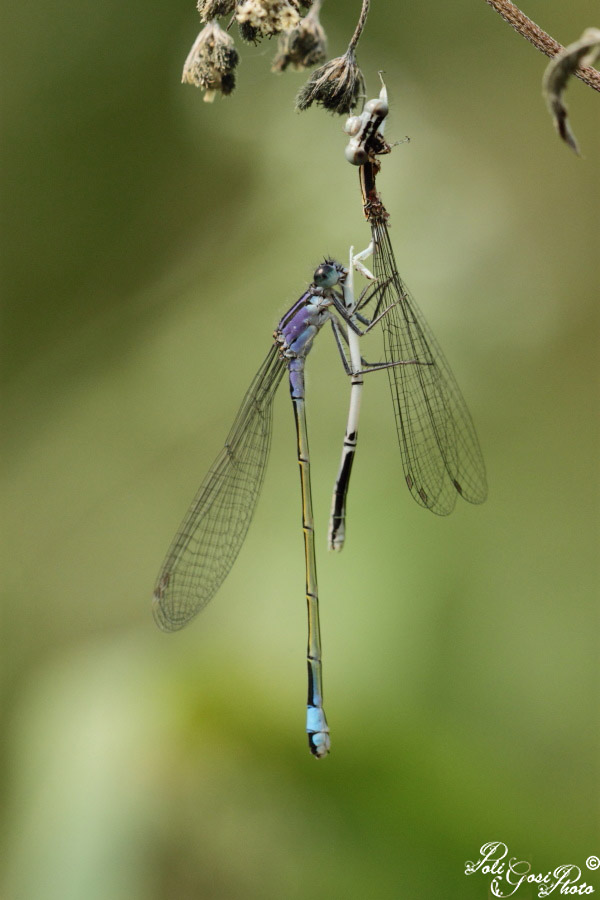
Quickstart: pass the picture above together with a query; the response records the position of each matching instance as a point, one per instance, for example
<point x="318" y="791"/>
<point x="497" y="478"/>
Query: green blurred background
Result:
<point x="151" y="243"/>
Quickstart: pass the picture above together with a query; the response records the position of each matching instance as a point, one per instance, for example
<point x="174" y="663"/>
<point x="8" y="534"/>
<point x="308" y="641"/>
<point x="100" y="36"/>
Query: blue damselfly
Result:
<point x="212" y="533"/>
<point x="439" y="447"/>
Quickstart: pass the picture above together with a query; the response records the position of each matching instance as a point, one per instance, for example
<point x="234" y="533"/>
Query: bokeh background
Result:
<point x="151" y="243"/>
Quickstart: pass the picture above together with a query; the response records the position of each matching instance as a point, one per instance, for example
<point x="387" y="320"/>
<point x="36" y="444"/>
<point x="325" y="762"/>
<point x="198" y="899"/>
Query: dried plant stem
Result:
<point x="359" y="25"/>
<point x="540" y="39"/>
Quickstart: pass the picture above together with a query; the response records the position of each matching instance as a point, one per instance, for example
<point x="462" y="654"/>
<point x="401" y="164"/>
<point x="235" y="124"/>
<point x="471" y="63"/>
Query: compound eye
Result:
<point x="356" y="154"/>
<point x="377" y="107"/>
<point x="352" y="125"/>
<point x="326" y="275"/>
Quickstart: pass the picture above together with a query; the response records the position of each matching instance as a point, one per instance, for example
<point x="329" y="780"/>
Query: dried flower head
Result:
<point x="338" y="86"/>
<point x="211" y="62"/>
<point x="261" y="18"/>
<point x="210" y="9"/>
<point x="305" y="45"/>
<point x="249" y="33"/>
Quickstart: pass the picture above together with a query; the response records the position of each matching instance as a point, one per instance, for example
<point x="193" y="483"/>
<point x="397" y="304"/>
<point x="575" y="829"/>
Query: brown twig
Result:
<point x="540" y="39"/>
<point x="360" y="24"/>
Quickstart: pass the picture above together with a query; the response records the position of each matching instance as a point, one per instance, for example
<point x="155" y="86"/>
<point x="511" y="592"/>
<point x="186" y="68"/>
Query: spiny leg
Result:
<point x="341" y="336"/>
<point x="316" y="723"/>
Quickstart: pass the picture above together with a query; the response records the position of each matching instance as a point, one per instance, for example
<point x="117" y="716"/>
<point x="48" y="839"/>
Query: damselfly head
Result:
<point x="366" y="131"/>
<point x="328" y="274"/>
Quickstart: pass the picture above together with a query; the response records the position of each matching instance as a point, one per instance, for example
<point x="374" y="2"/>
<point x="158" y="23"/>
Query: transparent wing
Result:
<point x="211" y="535"/>
<point x="440" y="451"/>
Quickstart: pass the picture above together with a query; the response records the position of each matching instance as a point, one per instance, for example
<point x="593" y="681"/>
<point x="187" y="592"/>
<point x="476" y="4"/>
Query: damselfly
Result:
<point x="440" y="452"/>
<point x="212" y="533"/>
<point x="437" y="439"/>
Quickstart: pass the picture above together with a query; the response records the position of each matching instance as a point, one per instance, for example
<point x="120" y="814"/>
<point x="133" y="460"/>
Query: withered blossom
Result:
<point x="262" y="18"/>
<point x="211" y="62"/>
<point x="305" y="45"/>
<point x="211" y="9"/>
<point x="249" y="33"/>
<point x="338" y="86"/>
